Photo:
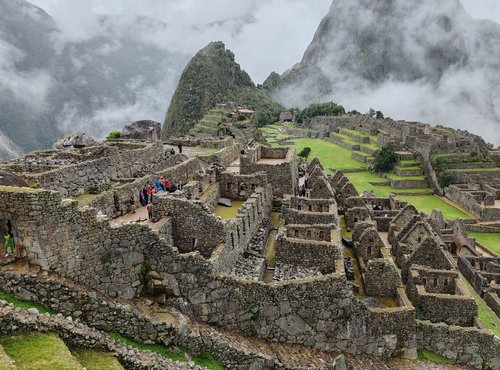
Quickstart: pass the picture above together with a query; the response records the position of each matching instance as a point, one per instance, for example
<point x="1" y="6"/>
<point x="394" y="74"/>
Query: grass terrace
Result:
<point x="488" y="240"/>
<point x="333" y="156"/>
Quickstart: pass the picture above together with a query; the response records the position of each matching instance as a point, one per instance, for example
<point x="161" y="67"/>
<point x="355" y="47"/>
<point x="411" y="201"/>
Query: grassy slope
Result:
<point x="486" y="314"/>
<point x="337" y="157"/>
<point x="24" y="305"/>
<point x="96" y="360"/>
<point x="489" y="240"/>
<point x="427" y="203"/>
<point x="39" y="351"/>
<point x="204" y="359"/>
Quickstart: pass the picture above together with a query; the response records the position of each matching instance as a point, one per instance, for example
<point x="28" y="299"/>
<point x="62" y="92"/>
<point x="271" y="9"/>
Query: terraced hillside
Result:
<point x="47" y="351"/>
<point x="353" y="151"/>
<point x="222" y="122"/>
<point x="463" y="163"/>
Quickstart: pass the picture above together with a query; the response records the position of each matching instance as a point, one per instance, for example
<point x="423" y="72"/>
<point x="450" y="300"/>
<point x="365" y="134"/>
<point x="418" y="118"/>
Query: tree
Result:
<point x="322" y="109"/>
<point x="446" y="178"/>
<point x="304" y="153"/>
<point x="379" y="114"/>
<point x="385" y="160"/>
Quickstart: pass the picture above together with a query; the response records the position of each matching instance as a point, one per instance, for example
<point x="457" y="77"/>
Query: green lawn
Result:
<point x="25" y="305"/>
<point x="486" y="314"/>
<point x="330" y="154"/>
<point x="204" y="359"/>
<point x="393" y="176"/>
<point x="427" y="203"/>
<point x="346" y="139"/>
<point x="489" y="240"/>
<point x="92" y="359"/>
<point x="363" y="181"/>
<point x="38" y="351"/>
<point x="426" y="355"/>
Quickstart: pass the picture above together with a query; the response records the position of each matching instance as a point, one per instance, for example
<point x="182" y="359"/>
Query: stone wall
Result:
<point x="239" y="187"/>
<point x="114" y="203"/>
<point x="75" y="334"/>
<point x="60" y="237"/>
<point x="312" y="254"/>
<point x="467" y="346"/>
<point x="319" y="232"/>
<point x="94" y="174"/>
<point x="381" y="278"/>
<point x="431" y="290"/>
<point x="213" y="143"/>
<point x="283" y="175"/>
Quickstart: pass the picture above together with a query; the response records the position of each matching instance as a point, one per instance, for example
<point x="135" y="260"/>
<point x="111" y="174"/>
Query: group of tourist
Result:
<point x="377" y="207"/>
<point x="146" y="194"/>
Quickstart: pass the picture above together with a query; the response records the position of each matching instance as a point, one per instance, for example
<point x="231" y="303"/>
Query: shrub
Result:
<point x="304" y="153"/>
<point x="385" y="159"/>
<point x="446" y="178"/>
<point x="115" y="134"/>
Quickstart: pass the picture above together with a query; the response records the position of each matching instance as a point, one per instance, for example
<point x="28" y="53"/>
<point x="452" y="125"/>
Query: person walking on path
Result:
<point x="9" y="244"/>
<point x="132" y="203"/>
<point x="143" y="197"/>
<point x="149" y="207"/>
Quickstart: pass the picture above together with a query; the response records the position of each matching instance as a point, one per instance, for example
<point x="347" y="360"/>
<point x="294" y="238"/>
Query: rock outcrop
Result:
<point x="212" y="71"/>
<point x="74" y="140"/>
<point x="142" y="130"/>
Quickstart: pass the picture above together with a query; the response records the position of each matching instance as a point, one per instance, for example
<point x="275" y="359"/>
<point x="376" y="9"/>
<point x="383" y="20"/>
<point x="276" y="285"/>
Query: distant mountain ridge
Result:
<point x="428" y="57"/>
<point x="49" y="86"/>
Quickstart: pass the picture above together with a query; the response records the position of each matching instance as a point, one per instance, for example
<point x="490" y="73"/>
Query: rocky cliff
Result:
<point x="422" y="60"/>
<point x="212" y="71"/>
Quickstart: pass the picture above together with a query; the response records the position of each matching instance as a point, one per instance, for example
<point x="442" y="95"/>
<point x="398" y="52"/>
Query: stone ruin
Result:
<point x="273" y="270"/>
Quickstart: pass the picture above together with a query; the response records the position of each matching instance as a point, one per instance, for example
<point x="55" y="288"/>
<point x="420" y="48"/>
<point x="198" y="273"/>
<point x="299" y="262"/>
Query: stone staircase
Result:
<point x="47" y="351"/>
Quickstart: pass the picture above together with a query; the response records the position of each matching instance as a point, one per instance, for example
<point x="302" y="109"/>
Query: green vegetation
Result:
<point x="207" y="361"/>
<point x="204" y="359"/>
<point x="253" y="98"/>
<point x="114" y="135"/>
<point x="304" y="153"/>
<point x="427" y="203"/>
<point x="445" y="179"/>
<point x="212" y="71"/>
<point x="331" y="155"/>
<point x="489" y="240"/>
<point x="95" y="360"/>
<point x="39" y="351"/>
<point x="486" y="315"/>
<point x="322" y="109"/>
<point x="364" y="181"/>
<point x="156" y="348"/>
<point x="426" y="355"/>
<point x="385" y="160"/>
<point x="25" y="305"/>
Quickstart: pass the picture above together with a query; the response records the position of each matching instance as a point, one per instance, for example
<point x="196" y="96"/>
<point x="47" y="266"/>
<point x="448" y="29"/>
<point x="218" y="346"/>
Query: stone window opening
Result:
<point x="308" y="233"/>
<point x="232" y="240"/>
<point x="424" y="281"/>
<point x="299" y="208"/>
<point x="296" y="232"/>
<point x="195" y="243"/>
<point x="310" y="208"/>
<point x="445" y="282"/>
<point x="369" y="250"/>
<point x="321" y="234"/>
<point x="238" y="232"/>
<point x="419" y="239"/>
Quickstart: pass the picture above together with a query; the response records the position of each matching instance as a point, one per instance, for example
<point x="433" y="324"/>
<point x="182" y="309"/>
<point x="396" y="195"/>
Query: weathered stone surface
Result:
<point x="142" y="130"/>
<point x="74" y="140"/>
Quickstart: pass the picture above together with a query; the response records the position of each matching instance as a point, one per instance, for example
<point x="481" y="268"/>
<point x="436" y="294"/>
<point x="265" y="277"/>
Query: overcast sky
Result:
<point x="265" y="35"/>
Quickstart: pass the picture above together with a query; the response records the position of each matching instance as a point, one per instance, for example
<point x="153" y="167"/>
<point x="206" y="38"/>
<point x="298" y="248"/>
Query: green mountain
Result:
<point x="212" y="71"/>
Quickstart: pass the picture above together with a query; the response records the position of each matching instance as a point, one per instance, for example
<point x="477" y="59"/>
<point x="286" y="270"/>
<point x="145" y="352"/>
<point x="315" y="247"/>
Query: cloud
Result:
<point x="264" y="35"/>
<point x="438" y="66"/>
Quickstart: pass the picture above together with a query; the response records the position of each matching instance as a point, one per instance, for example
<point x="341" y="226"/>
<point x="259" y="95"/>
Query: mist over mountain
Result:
<point x="50" y="84"/>
<point x="424" y="60"/>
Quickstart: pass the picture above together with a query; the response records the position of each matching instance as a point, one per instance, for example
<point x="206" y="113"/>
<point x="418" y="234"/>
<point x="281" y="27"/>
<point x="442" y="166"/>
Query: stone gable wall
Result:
<point x="307" y="253"/>
<point x="239" y="187"/>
